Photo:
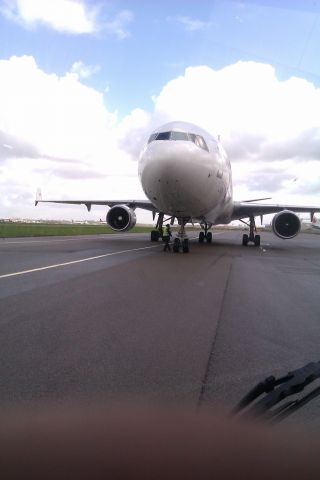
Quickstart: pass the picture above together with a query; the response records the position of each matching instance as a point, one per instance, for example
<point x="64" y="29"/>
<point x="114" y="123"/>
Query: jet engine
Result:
<point x="286" y="224"/>
<point x="121" y="218"/>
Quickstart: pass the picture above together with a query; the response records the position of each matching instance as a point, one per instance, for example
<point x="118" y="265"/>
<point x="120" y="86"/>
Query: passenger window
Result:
<point x="163" y="136"/>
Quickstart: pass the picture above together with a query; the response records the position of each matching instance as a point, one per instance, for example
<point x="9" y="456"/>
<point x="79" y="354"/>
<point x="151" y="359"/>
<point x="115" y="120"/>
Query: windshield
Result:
<point x="182" y="136"/>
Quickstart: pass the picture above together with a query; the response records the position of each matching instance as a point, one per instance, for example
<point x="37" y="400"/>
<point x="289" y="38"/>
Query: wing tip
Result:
<point x="38" y="197"/>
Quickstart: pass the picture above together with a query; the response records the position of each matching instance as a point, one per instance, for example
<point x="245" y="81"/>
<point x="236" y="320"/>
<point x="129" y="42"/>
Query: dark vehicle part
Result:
<point x="276" y="390"/>
<point x="286" y="224"/>
<point x="121" y="218"/>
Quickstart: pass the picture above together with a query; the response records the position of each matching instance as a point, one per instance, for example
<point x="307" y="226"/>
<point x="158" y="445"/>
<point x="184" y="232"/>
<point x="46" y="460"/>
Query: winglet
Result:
<point x="38" y="197"/>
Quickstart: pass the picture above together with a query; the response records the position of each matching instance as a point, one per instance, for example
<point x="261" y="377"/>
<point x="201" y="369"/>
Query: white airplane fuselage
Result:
<point x="186" y="177"/>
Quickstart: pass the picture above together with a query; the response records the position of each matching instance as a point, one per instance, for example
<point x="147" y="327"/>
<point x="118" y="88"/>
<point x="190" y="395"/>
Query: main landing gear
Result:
<point x="251" y="237"/>
<point x="181" y="241"/>
<point x="205" y="236"/>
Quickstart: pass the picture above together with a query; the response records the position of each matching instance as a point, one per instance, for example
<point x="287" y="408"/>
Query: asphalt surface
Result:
<point x="115" y="317"/>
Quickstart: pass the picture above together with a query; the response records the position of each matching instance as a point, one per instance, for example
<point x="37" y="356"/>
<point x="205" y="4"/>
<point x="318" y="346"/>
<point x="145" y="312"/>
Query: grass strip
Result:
<point x="12" y="230"/>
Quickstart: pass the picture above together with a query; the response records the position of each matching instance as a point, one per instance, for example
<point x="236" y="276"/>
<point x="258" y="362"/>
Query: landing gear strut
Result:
<point x="157" y="232"/>
<point x="251" y="237"/>
<point x="205" y="235"/>
<point x="181" y="240"/>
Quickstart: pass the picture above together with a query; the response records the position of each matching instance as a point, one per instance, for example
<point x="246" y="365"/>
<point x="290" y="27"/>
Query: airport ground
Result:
<point x="98" y="318"/>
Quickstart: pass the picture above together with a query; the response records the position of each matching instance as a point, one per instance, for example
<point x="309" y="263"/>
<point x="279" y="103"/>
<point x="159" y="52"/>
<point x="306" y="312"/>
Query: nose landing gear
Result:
<point x="156" y="234"/>
<point x="181" y="241"/>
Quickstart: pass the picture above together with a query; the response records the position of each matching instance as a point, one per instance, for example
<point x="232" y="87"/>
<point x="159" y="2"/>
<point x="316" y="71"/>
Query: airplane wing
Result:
<point x="245" y="209"/>
<point x="144" y="204"/>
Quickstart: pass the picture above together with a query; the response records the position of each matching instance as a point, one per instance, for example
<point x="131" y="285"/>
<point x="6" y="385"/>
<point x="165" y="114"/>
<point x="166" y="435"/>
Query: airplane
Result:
<point x="185" y="174"/>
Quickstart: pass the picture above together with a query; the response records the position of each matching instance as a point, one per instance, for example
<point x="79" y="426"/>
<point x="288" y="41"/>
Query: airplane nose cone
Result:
<point x="173" y="176"/>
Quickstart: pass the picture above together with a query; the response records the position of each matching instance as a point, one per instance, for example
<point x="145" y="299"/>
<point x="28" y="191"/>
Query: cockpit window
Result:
<point x="163" y="136"/>
<point x="179" y="136"/>
<point x="201" y="143"/>
<point x="192" y="137"/>
<point x="152" y="137"/>
<point x="174" y="135"/>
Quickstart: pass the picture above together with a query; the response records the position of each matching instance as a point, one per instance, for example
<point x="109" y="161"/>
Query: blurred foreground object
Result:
<point x="126" y="442"/>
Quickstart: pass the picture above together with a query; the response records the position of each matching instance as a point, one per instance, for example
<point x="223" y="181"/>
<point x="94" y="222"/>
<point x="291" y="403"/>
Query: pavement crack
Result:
<point x="211" y="353"/>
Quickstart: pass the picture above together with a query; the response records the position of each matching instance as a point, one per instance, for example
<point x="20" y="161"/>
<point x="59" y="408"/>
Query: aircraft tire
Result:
<point x="176" y="245"/>
<point x="257" y="240"/>
<point x="185" y="246"/>
<point x="209" y="237"/>
<point x="245" y="239"/>
<point x="154" y="236"/>
<point x="201" y="237"/>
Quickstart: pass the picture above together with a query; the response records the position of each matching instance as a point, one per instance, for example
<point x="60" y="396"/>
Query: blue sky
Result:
<point x="163" y="38"/>
<point x="83" y="82"/>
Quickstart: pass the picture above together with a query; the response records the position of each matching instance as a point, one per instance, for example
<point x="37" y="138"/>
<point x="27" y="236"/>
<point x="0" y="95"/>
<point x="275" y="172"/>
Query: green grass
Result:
<point x="8" y="230"/>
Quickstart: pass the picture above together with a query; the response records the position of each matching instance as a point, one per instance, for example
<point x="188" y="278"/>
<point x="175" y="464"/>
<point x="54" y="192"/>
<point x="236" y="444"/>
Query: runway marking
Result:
<point x="75" y="261"/>
<point x="77" y="238"/>
<point x="39" y="241"/>
<point x="48" y="267"/>
<point x="84" y="237"/>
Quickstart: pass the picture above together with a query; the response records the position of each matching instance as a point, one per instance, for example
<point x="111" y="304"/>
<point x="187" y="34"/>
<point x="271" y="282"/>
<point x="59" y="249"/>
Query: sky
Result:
<point x="84" y="82"/>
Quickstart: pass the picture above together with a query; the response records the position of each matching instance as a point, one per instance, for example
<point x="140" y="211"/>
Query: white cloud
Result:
<point x="57" y="133"/>
<point x="72" y="16"/>
<point x="193" y="24"/>
<point x="246" y="96"/>
<point x="59" y="115"/>
<point x="263" y="122"/>
<point x="118" y="25"/>
<point x="83" y="70"/>
<point x="67" y="16"/>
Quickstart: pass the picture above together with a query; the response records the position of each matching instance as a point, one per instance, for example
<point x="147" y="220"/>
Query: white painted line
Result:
<point x="68" y="239"/>
<point x="21" y="242"/>
<point x="26" y="240"/>
<point x="74" y="262"/>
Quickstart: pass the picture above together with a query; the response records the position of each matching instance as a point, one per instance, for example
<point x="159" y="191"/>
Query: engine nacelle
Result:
<point x="121" y="218"/>
<point x="286" y="224"/>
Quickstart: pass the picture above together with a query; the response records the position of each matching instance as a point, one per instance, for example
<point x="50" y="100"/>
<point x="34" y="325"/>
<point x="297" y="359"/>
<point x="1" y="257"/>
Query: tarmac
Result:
<point x="111" y="317"/>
